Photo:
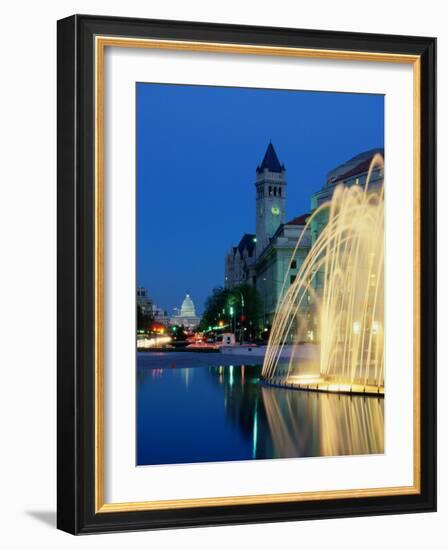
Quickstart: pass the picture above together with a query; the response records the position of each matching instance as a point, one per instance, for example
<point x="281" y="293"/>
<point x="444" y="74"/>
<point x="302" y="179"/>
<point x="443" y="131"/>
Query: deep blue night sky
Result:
<point x="197" y="151"/>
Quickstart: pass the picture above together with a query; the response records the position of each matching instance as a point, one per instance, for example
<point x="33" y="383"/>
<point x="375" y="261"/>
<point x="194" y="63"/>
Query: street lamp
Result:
<point x="242" y="313"/>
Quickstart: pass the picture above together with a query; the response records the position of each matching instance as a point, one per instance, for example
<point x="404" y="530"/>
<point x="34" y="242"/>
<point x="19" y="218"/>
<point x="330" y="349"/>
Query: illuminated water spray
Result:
<point x="337" y="300"/>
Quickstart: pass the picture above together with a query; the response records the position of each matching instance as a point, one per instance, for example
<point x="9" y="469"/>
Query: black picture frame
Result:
<point x="76" y="275"/>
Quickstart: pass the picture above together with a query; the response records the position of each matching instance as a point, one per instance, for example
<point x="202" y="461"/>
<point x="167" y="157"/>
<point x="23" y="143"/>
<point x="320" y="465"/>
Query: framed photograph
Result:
<point x="246" y="274"/>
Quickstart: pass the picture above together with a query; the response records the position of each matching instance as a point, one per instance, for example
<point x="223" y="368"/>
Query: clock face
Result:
<point x="275" y="210"/>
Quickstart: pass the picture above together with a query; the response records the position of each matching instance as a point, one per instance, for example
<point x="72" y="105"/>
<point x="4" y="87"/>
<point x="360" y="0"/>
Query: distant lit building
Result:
<point x="160" y="315"/>
<point x="187" y="316"/>
<point x="143" y="300"/>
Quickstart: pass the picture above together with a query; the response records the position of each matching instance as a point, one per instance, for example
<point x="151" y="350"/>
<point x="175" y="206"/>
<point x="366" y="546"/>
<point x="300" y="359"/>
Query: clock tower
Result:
<point x="270" y="187"/>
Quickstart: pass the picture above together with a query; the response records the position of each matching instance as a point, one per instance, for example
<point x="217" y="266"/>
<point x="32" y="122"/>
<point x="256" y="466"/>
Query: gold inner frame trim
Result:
<point x="101" y="42"/>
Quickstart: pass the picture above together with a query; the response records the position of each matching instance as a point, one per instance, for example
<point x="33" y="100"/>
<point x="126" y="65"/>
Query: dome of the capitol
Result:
<point x="187" y="309"/>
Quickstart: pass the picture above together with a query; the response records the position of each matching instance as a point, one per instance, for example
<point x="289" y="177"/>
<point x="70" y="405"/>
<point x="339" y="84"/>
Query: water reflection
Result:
<point x="223" y="413"/>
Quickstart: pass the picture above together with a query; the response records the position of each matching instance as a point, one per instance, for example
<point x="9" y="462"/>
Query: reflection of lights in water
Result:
<point x="355" y="427"/>
<point x="231" y="375"/>
<point x="285" y="423"/>
<point x="156" y="372"/>
<point x="186" y="374"/>
<point x="323" y="426"/>
<point x="255" y="432"/>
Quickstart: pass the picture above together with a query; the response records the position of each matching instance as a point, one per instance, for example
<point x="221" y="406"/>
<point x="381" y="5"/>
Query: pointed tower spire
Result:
<point x="270" y="161"/>
<point x="270" y="186"/>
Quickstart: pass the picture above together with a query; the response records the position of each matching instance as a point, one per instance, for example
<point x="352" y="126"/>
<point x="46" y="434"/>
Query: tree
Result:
<point x="247" y="311"/>
<point x="237" y="308"/>
<point x="215" y="306"/>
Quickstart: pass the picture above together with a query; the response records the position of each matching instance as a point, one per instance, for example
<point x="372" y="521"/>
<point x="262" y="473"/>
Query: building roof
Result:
<point x="270" y="161"/>
<point x="354" y="166"/>
<point x="247" y="242"/>
<point x="300" y="220"/>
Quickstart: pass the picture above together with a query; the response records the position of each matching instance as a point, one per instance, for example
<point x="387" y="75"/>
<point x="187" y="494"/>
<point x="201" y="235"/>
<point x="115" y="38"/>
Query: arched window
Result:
<point x="275" y="191"/>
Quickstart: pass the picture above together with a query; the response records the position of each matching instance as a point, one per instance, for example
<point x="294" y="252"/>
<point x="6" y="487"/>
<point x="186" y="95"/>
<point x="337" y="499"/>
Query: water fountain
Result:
<point x="336" y="300"/>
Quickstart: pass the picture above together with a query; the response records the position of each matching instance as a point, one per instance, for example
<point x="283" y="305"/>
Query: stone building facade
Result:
<point x="239" y="261"/>
<point x="265" y="259"/>
<point x="352" y="172"/>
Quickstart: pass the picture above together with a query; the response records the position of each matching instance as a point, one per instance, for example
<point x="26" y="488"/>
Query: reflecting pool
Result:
<point x="197" y="407"/>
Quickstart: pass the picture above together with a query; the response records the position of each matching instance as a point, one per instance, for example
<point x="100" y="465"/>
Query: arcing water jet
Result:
<point x="338" y="298"/>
